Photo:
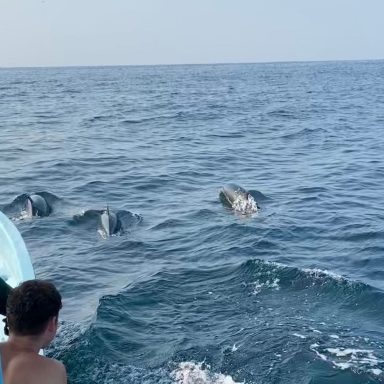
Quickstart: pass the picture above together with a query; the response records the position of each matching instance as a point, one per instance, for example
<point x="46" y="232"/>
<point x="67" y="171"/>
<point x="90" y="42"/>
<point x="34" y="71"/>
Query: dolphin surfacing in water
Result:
<point x="37" y="205"/>
<point x="116" y="222"/>
<point x="237" y="198"/>
<point x="109" y="223"/>
<point x="29" y="205"/>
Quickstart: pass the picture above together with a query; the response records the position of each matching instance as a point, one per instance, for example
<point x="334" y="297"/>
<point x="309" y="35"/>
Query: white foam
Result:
<point x="319" y="273"/>
<point x="244" y="205"/>
<point x="341" y="352"/>
<point x="199" y="373"/>
<point x="344" y="358"/>
<point x="334" y="336"/>
<point x="376" y="371"/>
<point x="102" y="234"/>
<point x="342" y="366"/>
<point x="257" y="288"/>
<point x="299" y="336"/>
<point x="313" y="348"/>
<point x="269" y="284"/>
<point x="23" y="215"/>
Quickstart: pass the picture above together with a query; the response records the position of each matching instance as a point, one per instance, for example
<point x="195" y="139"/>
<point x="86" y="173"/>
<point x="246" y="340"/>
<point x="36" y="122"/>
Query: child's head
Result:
<point x="31" y="307"/>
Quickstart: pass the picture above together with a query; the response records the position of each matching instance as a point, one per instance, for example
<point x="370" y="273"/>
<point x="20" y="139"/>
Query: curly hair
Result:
<point x="30" y="306"/>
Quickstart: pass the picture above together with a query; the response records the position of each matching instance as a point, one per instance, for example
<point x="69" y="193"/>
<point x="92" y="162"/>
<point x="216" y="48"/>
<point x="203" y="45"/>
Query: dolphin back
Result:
<point x="108" y="222"/>
<point x="230" y="192"/>
<point x="39" y="206"/>
<point x="237" y="198"/>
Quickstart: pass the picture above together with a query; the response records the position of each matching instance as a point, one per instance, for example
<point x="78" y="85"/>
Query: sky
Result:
<point x="145" y="32"/>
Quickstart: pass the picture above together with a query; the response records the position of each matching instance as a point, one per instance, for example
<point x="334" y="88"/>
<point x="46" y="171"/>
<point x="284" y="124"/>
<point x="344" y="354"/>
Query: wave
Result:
<point x="149" y="118"/>
<point x="249" y="323"/>
<point x="158" y="319"/>
<point x="169" y="223"/>
<point x="284" y="113"/>
<point x="72" y="346"/>
<point x="233" y="135"/>
<point x="304" y="133"/>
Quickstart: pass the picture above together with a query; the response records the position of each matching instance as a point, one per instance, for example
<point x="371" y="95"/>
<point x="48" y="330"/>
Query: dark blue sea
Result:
<point x="193" y="292"/>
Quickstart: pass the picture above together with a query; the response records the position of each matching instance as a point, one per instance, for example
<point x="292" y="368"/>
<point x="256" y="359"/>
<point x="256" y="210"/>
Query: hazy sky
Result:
<point x="107" y="32"/>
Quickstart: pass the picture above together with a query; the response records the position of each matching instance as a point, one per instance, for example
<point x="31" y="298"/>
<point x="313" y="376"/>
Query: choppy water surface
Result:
<point x="195" y="293"/>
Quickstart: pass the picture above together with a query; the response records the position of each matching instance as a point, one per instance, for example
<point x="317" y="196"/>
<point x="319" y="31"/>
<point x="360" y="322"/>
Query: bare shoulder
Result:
<point x="51" y="368"/>
<point x="38" y="369"/>
<point x="59" y="372"/>
<point x="51" y="364"/>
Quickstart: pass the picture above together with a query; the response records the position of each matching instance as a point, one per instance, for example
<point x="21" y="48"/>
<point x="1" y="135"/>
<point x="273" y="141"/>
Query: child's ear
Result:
<point x="52" y="323"/>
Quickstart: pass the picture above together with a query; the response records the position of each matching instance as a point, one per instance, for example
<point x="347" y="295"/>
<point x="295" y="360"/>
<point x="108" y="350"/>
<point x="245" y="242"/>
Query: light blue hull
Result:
<point x="15" y="263"/>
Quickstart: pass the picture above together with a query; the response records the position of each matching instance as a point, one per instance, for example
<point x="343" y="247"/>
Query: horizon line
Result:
<point x="187" y="64"/>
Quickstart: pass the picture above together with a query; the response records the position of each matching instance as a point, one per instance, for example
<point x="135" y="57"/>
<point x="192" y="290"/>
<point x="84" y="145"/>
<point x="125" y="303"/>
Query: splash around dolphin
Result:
<point x="238" y="199"/>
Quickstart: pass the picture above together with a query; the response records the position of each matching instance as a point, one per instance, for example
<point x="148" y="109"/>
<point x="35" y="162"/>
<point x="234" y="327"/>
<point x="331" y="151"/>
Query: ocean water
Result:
<point x="195" y="293"/>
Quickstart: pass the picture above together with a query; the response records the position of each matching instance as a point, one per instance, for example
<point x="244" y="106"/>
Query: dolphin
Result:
<point x="109" y="222"/>
<point x="238" y="199"/>
<point x="28" y="205"/>
<point x="37" y="205"/>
